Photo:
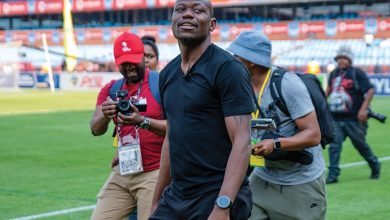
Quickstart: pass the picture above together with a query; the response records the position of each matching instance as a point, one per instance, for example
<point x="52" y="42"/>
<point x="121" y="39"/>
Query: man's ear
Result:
<point x="251" y="65"/>
<point x="213" y="24"/>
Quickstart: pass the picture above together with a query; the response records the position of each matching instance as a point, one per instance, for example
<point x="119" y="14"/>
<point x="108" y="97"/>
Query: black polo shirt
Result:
<point x="195" y="105"/>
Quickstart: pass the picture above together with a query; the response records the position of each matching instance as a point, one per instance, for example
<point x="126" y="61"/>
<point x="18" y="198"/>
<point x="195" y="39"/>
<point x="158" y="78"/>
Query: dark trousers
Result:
<point x="357" y="133"/>
<point x="174" y="207"/>
<point x="133" y="215"/>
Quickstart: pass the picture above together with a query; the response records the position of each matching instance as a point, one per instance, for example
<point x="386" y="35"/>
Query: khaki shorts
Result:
<point x="300" y="202"/>
<point x="120" y="195"/>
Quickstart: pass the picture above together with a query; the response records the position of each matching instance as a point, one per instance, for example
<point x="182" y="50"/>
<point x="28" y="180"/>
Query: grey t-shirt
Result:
<point x="299" y="104"/>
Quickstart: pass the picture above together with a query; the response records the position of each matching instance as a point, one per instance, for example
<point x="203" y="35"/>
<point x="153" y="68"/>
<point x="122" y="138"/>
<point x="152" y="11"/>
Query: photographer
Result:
<point x="349" y="95"/>
<point x="285" y="188"/>
<point x="139" y="130"/>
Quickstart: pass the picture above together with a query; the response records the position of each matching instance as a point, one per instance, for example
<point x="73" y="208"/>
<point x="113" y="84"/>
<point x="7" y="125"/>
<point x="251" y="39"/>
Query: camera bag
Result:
<point x="302" y="156"/>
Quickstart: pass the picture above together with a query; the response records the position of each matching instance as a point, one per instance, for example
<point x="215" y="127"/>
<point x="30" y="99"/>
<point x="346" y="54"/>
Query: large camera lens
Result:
<point x="381" y="118"/>
<point x="124" y="106"/>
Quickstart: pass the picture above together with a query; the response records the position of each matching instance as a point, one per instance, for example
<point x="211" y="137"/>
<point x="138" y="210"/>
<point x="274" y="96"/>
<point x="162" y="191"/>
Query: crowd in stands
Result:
<point x="294" y="55"/>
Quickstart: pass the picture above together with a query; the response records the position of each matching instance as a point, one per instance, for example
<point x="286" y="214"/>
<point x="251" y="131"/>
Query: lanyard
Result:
<point x="118" y="127"/>
<point x="138" y="90"/>
<point x="256" y="114"/>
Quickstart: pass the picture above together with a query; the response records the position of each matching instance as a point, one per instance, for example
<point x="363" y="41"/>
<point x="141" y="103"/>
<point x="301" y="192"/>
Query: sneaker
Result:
<point x="375" y="173"/>
<point x="331" y="180"/>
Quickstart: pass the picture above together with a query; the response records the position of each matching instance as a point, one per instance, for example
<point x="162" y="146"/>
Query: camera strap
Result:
<point x="255" y="115"/>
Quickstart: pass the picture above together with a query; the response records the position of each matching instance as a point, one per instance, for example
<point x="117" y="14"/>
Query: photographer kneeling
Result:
<point x="133" y="105"/>
<point x="283" y="188"/>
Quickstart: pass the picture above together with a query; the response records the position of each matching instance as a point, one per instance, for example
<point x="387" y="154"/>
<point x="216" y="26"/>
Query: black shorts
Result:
<point x="174" y="207"/>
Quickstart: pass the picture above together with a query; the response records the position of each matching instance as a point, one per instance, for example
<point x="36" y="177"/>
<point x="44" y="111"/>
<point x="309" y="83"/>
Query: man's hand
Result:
<point x="263" y="148"/>
<point x="109" y="108"/>
<point x="135" y="118"/>
<point x="362" y="115"/>
<point x="219" y="214"/>
<point x="115" y="160"/>
<point x="153" y="208"/>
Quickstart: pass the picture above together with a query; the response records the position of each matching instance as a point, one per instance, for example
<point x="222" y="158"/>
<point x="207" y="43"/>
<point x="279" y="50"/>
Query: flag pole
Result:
<point x="70" y="47"/>
<point x="49" y="70"/>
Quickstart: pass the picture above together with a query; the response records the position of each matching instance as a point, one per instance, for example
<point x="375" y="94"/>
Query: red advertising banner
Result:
<point x="13" y="8"/>
<point x="2" y="36"/>
<point x="165" y="3"/>
<point x="229" y="2"/>
<point x="311" y="27"/>
<point x="350" y="26"/>
<point x="48" y="6"/>
<point x="275" y="28"/>
<point x="384" y="25"/>
<point x="346" y="29"/>
<point x="88" y="5"/>
<point x="128" y="4"/>
<point x="24" y="7"/>
<point x="19" y="36"/>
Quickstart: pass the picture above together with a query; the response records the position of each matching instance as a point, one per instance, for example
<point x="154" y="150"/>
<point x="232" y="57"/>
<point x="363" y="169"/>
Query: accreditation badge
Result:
<point x="130" y="158"/>
<point x="257" y="128"/>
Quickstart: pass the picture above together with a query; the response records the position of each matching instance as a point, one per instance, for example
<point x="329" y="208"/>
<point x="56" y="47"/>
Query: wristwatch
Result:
<point x="145" y="124"/>
<point x="277" y="144"/>
<point x="223" y="202"/>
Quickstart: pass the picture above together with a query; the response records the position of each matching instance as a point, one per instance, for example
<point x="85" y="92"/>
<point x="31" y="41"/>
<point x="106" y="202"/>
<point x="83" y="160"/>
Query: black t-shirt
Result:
<point x="195" y="105"/>
<point x="355" y="89"/>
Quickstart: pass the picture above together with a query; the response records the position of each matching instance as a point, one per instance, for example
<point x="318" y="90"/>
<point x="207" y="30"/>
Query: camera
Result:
<point x="263" y="124"/>
<point x="123" y="105"/>
<point x="380" y="117"/>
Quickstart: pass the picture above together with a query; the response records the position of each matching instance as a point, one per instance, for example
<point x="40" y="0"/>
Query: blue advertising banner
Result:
<point x="37" y="80"/>
<point x="382" y="84"/>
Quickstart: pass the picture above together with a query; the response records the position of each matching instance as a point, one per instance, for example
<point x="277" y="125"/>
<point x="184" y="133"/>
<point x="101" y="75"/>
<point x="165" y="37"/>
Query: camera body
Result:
<point x="123" y="105"/>
<point x="263" y="124"/>
<point x="380" y="117"/>
<point x="259" y="125"/>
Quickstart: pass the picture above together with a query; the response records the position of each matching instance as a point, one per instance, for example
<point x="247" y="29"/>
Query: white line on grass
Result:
<point x="59" y="212"/>
<point x="354" y="164"/>
<point x="84" y="208"/>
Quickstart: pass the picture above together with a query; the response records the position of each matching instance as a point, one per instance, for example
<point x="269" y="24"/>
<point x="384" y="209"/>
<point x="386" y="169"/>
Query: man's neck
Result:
<point x="190" y="55"/>
<point x="258" y="78"/>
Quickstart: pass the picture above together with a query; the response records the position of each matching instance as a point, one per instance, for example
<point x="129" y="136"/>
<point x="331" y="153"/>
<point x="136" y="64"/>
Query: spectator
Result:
<point x="140" y="131"/>
<point x="207" y="102"/>
<point x="151" y="52"/>
<point x="283" y="189"/>
<point x="350" y="93"/>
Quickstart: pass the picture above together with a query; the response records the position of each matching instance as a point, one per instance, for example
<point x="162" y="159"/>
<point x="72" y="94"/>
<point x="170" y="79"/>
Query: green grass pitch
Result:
<point x="49" y="161"/>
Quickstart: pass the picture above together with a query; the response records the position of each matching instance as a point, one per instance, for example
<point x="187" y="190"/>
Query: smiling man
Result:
<point x="134" y="174"/>
<point x="206" y="99"/>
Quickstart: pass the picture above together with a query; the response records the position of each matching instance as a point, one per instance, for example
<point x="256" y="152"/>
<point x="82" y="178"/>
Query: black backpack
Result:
<point x="318" y="99"/>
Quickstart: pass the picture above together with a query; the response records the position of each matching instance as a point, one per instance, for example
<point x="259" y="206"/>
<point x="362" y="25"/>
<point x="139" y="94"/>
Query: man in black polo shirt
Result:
<point x="207" y="101"/>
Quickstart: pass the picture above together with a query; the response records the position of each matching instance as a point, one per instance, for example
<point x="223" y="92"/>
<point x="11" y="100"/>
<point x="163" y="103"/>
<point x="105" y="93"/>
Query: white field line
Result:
<point x="84" y="208"/>
<point x="354" y="164"/>
<point x="54" y="213"/>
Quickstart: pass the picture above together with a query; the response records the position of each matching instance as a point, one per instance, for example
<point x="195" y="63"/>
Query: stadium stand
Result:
<point x="301" y="30"/>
